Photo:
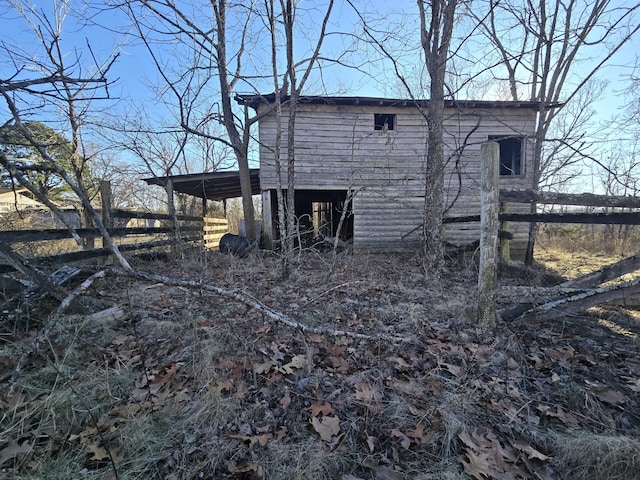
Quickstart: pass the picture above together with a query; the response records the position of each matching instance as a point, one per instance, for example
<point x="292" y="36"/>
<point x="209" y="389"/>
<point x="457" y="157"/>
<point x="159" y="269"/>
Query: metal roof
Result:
<point x="209" y="185"/>
<point x="253" y="101"/>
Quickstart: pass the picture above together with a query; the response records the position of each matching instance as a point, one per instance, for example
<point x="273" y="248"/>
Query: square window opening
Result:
<point x="510" y="155"/>
<point x="384" y="121"/>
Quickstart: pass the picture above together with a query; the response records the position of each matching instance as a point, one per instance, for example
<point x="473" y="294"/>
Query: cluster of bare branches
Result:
<point x="63" y="88"/>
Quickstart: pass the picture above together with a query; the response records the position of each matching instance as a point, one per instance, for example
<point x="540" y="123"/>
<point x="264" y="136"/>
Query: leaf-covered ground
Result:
<point x="173" y="382"/>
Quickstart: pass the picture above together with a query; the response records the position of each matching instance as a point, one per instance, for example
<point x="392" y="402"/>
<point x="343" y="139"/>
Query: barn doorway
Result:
<point x="319" y="213"/>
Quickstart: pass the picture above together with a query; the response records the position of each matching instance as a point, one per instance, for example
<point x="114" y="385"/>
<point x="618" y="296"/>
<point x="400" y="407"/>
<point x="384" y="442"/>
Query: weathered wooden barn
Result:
<point x="375" y="150"/>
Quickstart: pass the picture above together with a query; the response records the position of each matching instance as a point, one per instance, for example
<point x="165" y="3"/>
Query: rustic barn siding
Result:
<point x="337" y="148"/>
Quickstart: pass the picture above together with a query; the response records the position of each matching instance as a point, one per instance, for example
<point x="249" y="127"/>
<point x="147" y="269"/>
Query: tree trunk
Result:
<point x="436" y="39"/>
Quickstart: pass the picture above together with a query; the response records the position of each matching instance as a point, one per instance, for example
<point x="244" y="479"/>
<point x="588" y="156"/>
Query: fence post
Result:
<point x="505" y="243"/>
<point x="489" y="226"/>
<point x="107" y="213"/>
<point x="173" y="222"/>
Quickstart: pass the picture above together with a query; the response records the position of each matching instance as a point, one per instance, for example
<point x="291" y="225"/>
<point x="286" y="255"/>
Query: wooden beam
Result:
<point x="617" y="218"/>
<point x="579" y="302"/>
<point x="605" y="274"/>
<point x="581" y="199"/>
<point x="153" y="216"/>
<point x="17" y="236"/>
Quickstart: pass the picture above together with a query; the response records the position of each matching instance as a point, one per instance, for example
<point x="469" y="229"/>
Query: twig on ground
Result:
<point x="317" y="297"/>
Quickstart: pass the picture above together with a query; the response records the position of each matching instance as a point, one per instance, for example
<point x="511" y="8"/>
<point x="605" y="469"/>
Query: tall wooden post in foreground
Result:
<point x="489" y="226"/>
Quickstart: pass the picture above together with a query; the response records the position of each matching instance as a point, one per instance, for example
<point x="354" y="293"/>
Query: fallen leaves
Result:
<point x="251" y="440"/>
<point x="326" y="427"/>
<point x="485" y="457"/>
<point x="324" y="408"/>
<point x="15" y="452"/>
<point x="97" y="453"/>
<point x="270" y="388"/>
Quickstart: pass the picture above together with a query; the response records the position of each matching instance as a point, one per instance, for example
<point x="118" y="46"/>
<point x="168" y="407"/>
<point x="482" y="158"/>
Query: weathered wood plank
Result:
<point x="575" y="303"/>
<point x="605" y="274"/>
<point x="581" y="199"/>
<point x="153" y="216"/>
<point x="17" y="236"/>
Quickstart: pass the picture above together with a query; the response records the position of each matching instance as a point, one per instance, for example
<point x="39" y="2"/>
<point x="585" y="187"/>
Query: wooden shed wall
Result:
<point x="337" y="148"/>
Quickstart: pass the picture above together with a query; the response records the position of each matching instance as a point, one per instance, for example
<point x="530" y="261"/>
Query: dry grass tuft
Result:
<point x="302" y="461"/>
<point x="599" y="457"/>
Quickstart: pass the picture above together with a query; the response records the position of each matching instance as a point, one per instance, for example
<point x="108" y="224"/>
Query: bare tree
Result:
<point x="549" y="51"/>
<point x="213" y="40"/>
<point x="58" y="87"/>
<point x="288" y="90"/>
<point x="437" y="19"/>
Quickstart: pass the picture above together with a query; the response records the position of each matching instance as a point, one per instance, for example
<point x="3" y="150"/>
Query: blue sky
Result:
<point x="135" y="73"/>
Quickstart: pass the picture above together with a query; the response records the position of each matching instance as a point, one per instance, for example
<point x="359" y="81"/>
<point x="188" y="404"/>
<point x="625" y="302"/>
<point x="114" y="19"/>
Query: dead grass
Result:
<point x="186" y="385"/>
<point x="599" y="457"/>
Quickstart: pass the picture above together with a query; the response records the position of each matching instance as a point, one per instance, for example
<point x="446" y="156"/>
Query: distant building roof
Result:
<point x="19" y="198"/>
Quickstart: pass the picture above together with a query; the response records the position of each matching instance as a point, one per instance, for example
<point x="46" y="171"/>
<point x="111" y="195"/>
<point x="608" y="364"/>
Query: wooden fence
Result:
<point x="494" y="223"/>
<point x="130" y="230"/>
<point x="131" y="238"/>
<point x="213" y="230"/>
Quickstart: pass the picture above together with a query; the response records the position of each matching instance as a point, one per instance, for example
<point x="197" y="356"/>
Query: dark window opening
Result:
<point x="384" y="121"/>
<point x="510" y="155"/>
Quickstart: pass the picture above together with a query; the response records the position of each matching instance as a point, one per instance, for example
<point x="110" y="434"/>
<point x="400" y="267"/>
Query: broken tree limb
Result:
<point x="575" y="303"/>
<point x="52" y="320"/>
<point x="605" y="274"/>
<point x="17" y="262"/>
<point x="257" y="305"/>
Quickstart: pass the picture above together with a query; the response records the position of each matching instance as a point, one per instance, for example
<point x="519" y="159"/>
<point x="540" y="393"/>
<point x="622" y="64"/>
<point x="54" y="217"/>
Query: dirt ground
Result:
<point x="172" y="380"/>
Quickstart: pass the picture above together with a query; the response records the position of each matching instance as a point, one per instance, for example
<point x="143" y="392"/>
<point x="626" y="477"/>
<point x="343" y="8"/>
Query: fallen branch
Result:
<point x="576" y="303"/>
<point x="50" y="323"/>
<point x="21" y="265"/>
<point x="257" y="305"/>
<point x="605" y="274"/>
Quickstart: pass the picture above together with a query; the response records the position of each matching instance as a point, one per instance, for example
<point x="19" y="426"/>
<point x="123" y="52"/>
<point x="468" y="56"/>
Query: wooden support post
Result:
<point x="267" y="221"/>
<point x="489" y="226"/>
<point x="105" y="198"/>
<point x="171" y="207"/>
<point x="505" y="246"/>
<point x="205" y="206"/>
<point x="107" y="212"/>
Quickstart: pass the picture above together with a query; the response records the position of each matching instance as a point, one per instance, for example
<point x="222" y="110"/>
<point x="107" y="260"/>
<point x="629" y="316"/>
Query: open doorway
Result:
<point x="319" y="213"/>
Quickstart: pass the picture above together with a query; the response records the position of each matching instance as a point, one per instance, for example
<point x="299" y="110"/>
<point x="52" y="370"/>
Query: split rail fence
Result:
<point x="571" y="296"/>
<point x="170" y="231"/>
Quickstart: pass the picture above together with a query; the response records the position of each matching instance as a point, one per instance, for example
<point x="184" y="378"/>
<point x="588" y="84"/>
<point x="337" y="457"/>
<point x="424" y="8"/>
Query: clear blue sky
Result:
<point x="135" y="71"/>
